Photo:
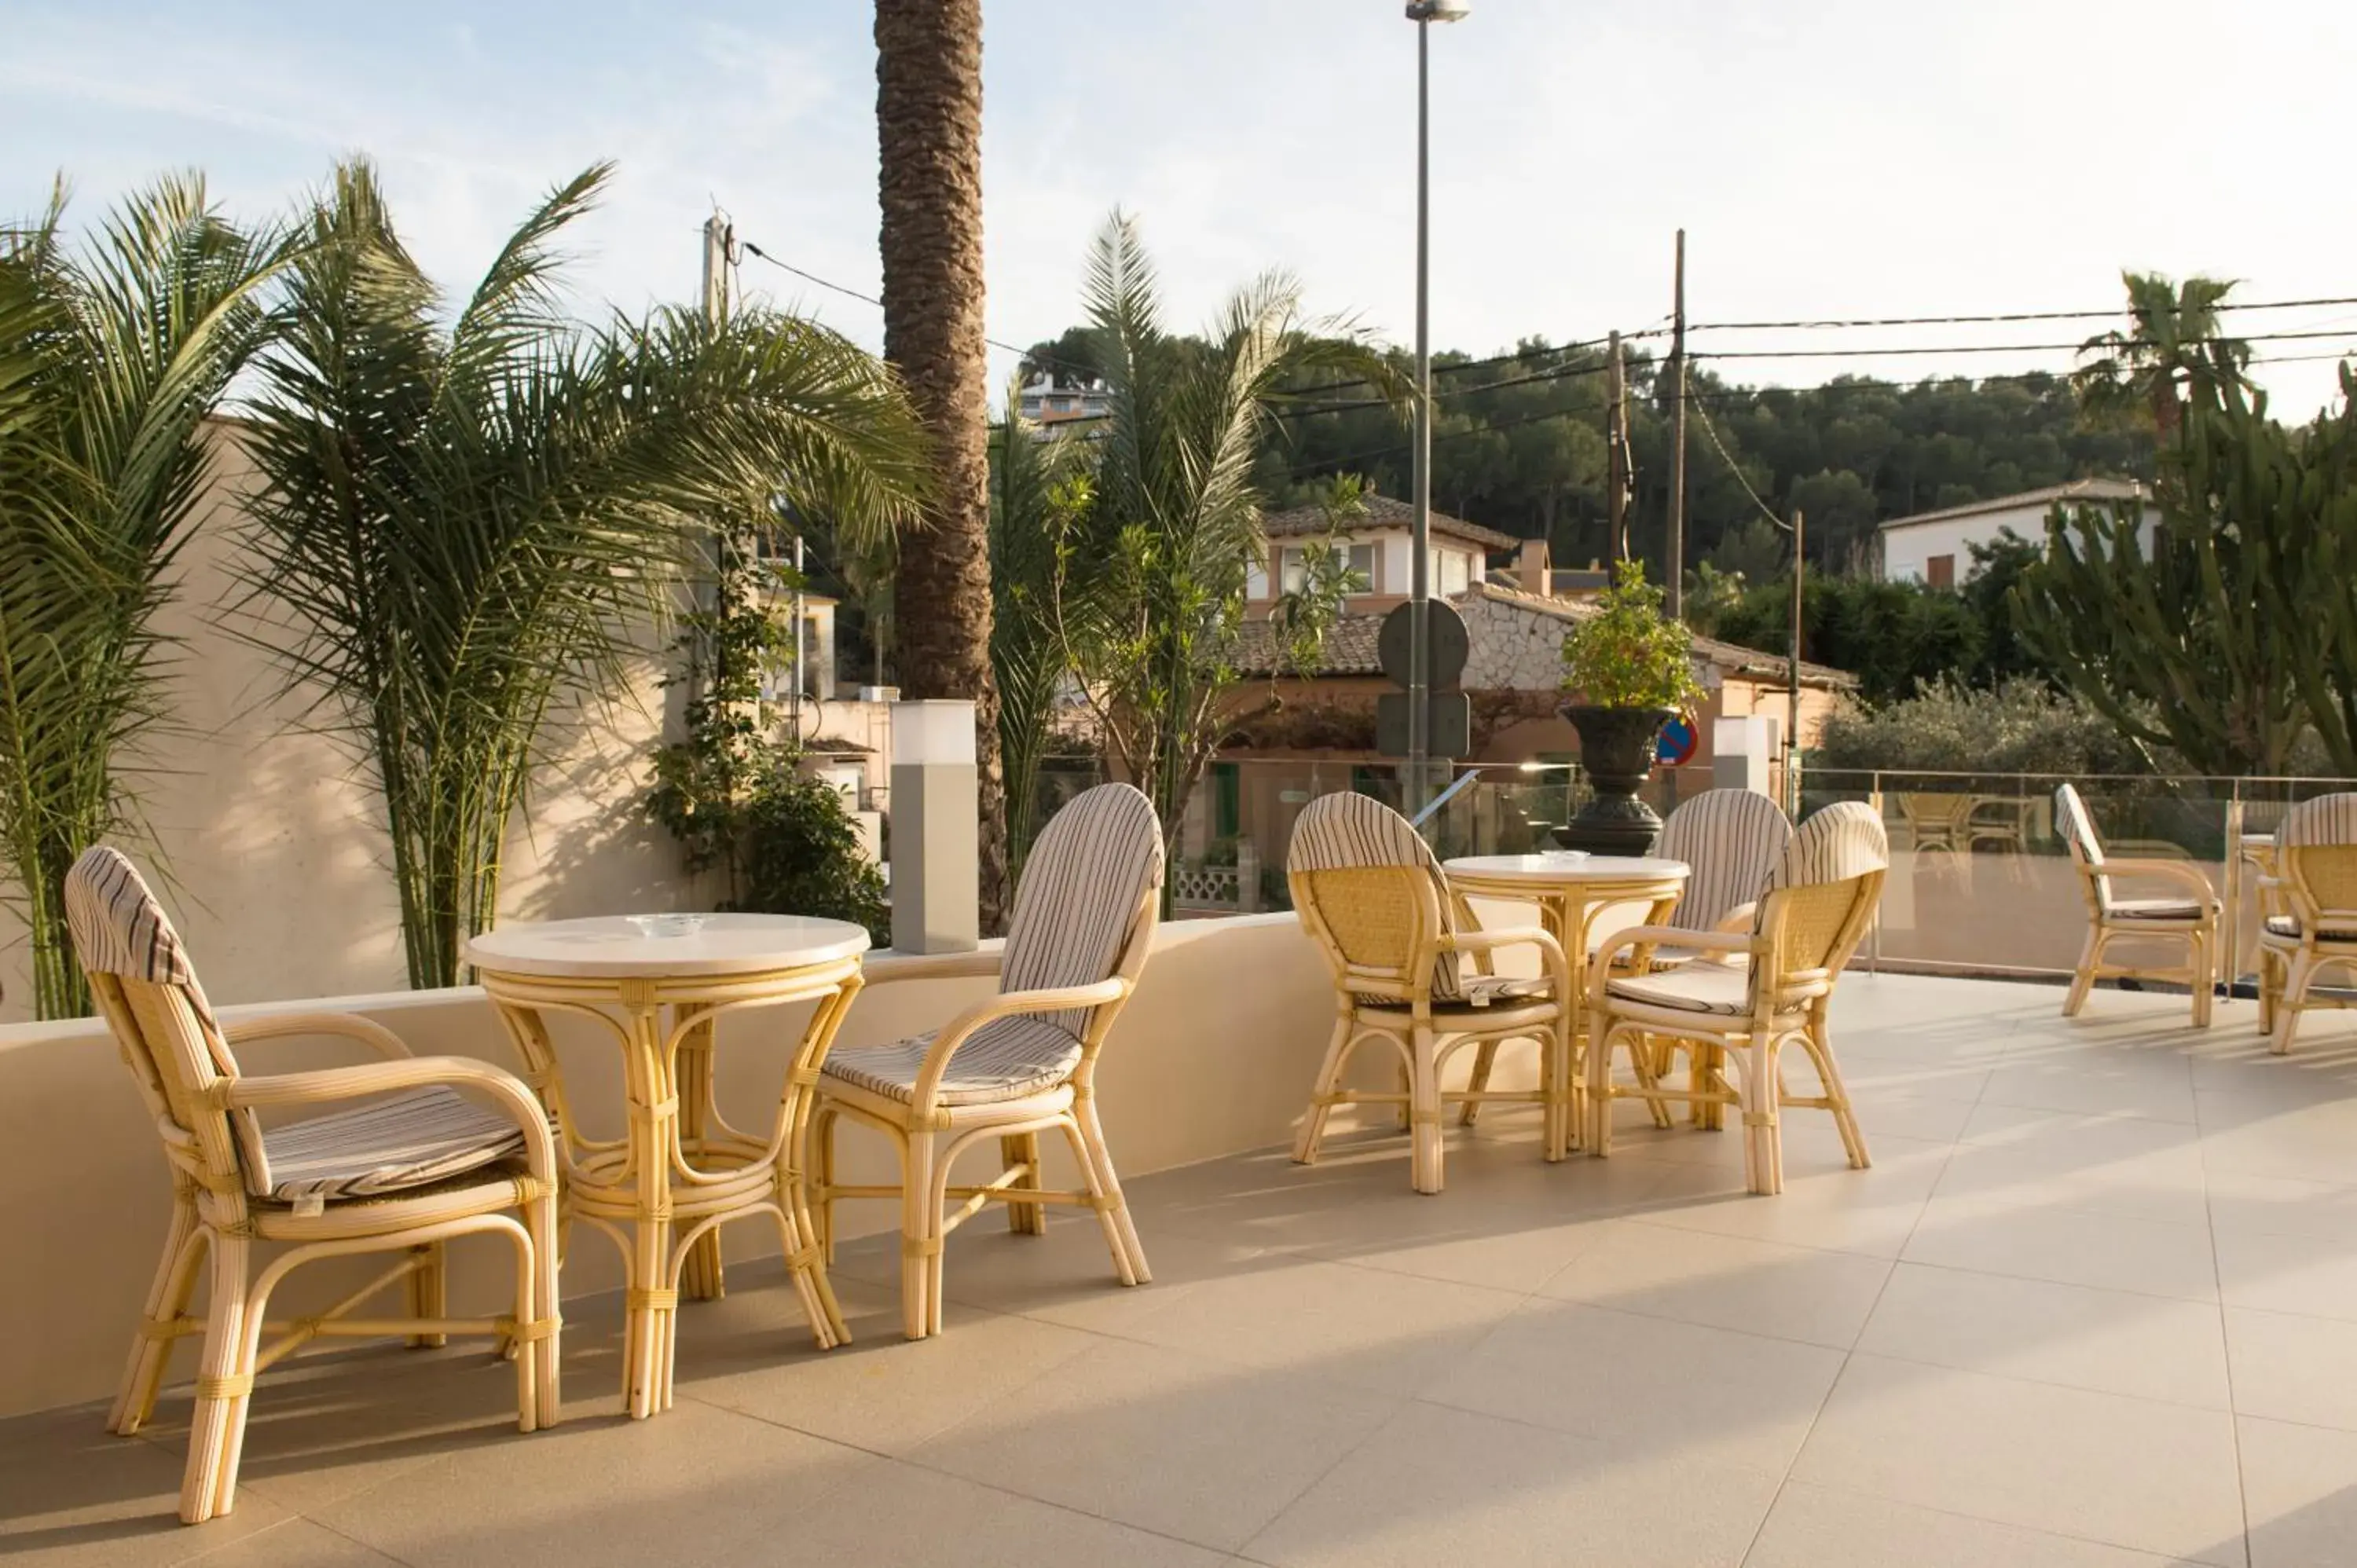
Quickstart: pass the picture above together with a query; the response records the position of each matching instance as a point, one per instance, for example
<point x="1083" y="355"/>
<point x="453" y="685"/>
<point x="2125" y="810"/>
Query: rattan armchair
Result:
<point x="1370" y="894"/>
<point x="1816" y="909"/>
<point x="1019" y="1064"/>
<point x="2189" y="916"/>
<point x="413" y="1167"/>
<point x="2314" y="885"/>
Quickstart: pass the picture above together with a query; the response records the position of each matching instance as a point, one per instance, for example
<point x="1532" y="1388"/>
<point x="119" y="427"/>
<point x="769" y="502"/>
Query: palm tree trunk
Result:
<point x="929" y="126"/>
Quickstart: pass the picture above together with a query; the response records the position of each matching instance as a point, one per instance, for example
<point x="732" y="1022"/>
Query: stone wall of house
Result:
<point x="1514" y="649"/>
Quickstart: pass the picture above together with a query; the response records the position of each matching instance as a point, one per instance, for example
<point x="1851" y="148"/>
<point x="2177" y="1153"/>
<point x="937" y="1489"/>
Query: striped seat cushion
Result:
<point x="2288" y="928"/>
<point x="1694" y="988"/>
<point x="1006" y="1058"/>
<point x="408" y="1140"/>
<point x="1731" y="840"/>
<point x="2158" y="910"/>
<point x="1480" y="991"/>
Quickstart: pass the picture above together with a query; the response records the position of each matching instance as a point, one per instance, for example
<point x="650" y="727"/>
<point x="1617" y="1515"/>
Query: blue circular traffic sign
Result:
<point x="1676" y="745"/>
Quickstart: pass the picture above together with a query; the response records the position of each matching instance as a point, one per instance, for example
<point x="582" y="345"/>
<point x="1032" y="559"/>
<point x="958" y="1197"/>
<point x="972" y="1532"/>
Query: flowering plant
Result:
<point x="1628" y="654"/>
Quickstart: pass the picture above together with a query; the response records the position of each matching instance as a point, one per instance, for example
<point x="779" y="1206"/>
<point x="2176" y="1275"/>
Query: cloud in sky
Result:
<point x="1848" y="157"/>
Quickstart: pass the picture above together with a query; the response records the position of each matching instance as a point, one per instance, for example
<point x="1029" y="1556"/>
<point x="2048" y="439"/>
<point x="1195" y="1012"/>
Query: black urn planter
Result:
<point x="1616" y="748"/>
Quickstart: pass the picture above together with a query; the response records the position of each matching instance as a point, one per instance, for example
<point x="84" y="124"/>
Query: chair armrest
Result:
<point x="1482" y="943"/>
<point x="1005" y="1005"/>
<point x="1739" y="921"/>
<point x="2183" y="871"/>
<point x="978" y="965"/>
<point x="327" y="1084"/>
<point x="351" y="1026"/>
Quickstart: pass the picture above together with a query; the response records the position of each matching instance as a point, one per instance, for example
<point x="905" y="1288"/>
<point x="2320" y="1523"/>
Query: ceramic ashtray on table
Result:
<point x="668" y="925"/>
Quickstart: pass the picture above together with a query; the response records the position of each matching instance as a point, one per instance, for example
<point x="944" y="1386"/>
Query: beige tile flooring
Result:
<point x="2095" y="1305"/>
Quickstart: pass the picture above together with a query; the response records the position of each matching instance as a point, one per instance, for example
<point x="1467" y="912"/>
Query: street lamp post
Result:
<point x="1419" y="657"/>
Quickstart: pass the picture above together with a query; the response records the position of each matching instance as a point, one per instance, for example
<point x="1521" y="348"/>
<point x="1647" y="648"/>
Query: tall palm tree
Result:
<point x="928" y="134"/>
<point x="2173" y="353"/>
<point x="1151" y="599"/>
<point x="469" y="520"/>
<point x="110" y="361"/>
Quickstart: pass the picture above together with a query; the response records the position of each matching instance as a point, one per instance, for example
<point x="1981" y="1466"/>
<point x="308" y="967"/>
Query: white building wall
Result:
<point x="1908" y="551"/>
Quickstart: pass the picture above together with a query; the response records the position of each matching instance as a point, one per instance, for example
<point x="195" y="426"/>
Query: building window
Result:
<point x="1362" y="568"/>
<point x="1227" y="799"/>
<point x="1291" y="570"/>
<point x="1940" y="571"/>
<point x="1450" y="571"/>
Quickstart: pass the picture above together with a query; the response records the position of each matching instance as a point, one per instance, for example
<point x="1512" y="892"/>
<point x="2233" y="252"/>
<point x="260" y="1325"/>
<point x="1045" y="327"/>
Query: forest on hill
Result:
<point x="1519" y="445"/>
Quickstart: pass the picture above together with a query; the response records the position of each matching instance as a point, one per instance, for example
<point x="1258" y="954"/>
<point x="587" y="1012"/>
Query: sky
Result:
<point x="1833" y="159"/>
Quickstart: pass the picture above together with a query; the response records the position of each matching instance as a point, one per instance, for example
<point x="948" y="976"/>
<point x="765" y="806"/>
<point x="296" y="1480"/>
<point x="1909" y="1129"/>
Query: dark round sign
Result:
<point x="1674" y="748"/>
<point x="1444" y="653"/>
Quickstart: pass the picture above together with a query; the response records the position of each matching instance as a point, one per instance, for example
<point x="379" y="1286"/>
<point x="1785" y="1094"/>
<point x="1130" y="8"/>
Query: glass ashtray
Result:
<point x="1563" y="857"/>
<point x="668" y="925"/>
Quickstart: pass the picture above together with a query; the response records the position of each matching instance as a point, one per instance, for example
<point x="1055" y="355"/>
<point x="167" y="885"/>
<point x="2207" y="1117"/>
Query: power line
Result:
<point x="2001" y="316"/>
<point x="1986" y="348"/>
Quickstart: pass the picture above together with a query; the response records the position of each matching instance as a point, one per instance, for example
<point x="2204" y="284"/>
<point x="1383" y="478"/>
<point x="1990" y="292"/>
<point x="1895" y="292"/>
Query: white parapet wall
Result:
<point x="1214" y="1055"/>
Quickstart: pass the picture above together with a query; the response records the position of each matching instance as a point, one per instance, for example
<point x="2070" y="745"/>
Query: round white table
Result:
<point x="680" y="1171"/>
<point x="1570" y="890"/>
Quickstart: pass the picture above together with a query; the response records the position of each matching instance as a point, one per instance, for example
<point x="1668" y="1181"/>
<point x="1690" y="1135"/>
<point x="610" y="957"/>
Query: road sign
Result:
<point x="1444" y="655"/>
<point x="1448" y="730"/>
<point x="1674" y="748"/>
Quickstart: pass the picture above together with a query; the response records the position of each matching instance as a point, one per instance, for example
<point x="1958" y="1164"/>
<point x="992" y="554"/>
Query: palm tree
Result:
<point x="466" y="528"/>
<point x="1036" y="487"/>
<point x="928" y="134"/>
<point x="1151" y="601"/>
<point x="109" y="362"/>
<point x="2173" y="353"/>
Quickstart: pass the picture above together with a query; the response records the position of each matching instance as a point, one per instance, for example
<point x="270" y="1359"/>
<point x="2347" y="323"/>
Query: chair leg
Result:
<point x="1023" y="1149"/>
<point x="429" y="1293"/>
<point x="1321" y="1094"/>
<point x="2205" y="974"/>
<point x="1598" y="1073"/>
<point x="1485" y="1057"/>
<point x="1646" y="1060"/>
<point x="821" y="1156"/>
<point x="543" y="1219"/>
<point x="2299" y="971"/>
<point x="1424" y="1112"/>
<point x="2083" y="980"/>
<point x="1820" y="1047"/>
<point x="1763" y="1153"/>
<point x="1100" y="1153"/>
<point x="2267" y="980"/>
<point x="168" y="1301"/>
<point x="225" y="1376"/>
<point x="921" y="1236"/>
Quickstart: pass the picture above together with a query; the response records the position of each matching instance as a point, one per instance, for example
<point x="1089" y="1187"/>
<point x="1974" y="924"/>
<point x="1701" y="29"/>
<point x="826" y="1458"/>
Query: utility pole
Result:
<point x="719" y="251"/>
<point x="1616" y="444"/>
<point x="1673" y="565"/>
<point x="1792" y="705"/>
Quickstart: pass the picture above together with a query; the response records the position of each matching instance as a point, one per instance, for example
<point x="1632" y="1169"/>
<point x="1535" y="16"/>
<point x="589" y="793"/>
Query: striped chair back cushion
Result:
<point x="1732" y="838"/>
<point x="1349" y="832"/>
<point x="2327" y="820"/>
<point x="1842" y="840"/>
<point x="2077" y="829"/>
<point x="1815" y="895"/>
<point x="1087" y="873"/>
<point x="119" y="930"/>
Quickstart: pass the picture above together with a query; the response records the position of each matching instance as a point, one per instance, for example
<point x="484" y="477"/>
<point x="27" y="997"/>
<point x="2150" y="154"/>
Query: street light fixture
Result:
<point x="1419" y="657"/>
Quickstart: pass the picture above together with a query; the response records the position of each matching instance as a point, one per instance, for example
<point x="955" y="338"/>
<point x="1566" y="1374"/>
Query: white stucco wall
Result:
<point x="1908" y="549"/>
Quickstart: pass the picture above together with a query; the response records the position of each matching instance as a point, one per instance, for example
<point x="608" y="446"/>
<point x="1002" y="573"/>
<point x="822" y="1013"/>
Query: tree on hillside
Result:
<point x="929" y="134"/>
<point x="2174" y="352"/>
<point x="111" y="358"/>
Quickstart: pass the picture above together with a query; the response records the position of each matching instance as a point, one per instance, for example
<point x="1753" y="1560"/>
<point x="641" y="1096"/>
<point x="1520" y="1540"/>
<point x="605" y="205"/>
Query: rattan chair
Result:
<point x="2316" y="885"/>
<point x="1937" y="821"/>
<point x="2189" y="916"/>
<point x="1732" y="839"/>
<point x="416" y="1165"/>
<point x="1022" y="1063"/>
<point x="1370" y="892"/>
<point x="1818" y="904"/>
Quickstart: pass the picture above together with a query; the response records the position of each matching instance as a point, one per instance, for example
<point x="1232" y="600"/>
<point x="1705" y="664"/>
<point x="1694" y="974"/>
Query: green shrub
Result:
<point x="801" y="854"/>
<point x="2017" y="726"/>
<point x="1629" y="654"/>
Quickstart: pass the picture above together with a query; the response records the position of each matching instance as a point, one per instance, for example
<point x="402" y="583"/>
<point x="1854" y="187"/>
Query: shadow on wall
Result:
<point x="583" y="844"/>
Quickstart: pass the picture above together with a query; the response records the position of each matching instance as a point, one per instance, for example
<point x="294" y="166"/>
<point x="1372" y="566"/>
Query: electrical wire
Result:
<point x="1986" y="348"/>
<point x="2001" y="316"/>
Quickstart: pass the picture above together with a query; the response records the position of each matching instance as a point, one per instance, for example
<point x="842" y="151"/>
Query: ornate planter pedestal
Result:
<point x="1616" y="748"/>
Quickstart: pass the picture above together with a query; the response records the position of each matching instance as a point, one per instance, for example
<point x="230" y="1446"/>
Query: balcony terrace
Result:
<point x="2095" y="1304"/>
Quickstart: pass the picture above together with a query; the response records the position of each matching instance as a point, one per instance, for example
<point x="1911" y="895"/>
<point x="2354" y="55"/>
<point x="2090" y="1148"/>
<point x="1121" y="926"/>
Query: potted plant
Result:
<point x="1630" y="670"/>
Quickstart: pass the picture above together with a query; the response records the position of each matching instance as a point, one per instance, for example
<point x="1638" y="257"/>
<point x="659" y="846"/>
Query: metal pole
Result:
<point x="1419" y="594"/>
<point x="1673" y="565"/>
<point x="801" y="672"/>
<point x="1792" y="708"/>
<point x="1616" y="447"/>
<point x="719" y="237"/>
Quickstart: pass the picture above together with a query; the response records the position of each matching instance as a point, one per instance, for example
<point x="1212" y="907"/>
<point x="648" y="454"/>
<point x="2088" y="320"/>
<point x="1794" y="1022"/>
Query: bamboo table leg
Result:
<point x="805" y="1257"/>
<point x="701" y="1276"/>
<point x="650" y="1298"/>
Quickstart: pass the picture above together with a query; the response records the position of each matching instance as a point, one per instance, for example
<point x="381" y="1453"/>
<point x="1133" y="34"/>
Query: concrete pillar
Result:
<point x="936" y="822"/>
<point x="1743" y="751"/>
